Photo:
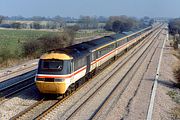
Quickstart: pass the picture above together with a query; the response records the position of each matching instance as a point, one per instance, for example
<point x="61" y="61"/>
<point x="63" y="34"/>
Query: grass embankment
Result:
<point x="12" y="42"/>
<point x="11" y="45"/>
<point x="175" y="94"/>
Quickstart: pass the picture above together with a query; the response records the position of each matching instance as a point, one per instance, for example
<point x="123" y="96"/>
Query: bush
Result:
<point x="49" y="42"/>
<point x="177" y="70"/>
<point x="174" y="26"/>
<point x="5" y="56"/>
<point x="177" y="76"/>
<point x="31" y="48"/>
<point x="73" y="28"/>
<point x="34" y="48"/>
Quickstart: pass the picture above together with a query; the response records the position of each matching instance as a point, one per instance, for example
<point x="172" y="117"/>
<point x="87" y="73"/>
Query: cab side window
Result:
<point x="79" y="63"/>
<point x="105" y="50"/>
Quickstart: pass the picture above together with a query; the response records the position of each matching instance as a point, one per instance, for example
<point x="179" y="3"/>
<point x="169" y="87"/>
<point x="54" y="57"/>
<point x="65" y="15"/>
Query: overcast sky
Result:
<point x="75" y="8"/>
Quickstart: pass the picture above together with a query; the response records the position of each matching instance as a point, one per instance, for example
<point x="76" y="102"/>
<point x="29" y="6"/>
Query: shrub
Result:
<point x="49" y="42"/>
<point x="34" y="48"/>
<point x="5" y="55"/>
<point x="177" y="76"/>
<point x="177" y="71"/>
<point x="31" y="48"/>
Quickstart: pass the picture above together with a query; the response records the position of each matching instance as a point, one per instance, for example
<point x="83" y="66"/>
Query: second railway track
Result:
<point x="16" y="87"/>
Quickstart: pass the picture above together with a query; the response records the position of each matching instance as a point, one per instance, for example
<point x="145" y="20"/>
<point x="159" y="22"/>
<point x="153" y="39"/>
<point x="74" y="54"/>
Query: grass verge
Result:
<point x="175" y="95"/>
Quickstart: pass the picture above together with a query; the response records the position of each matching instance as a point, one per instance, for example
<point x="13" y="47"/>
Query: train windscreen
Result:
<point x="58" y="65"/>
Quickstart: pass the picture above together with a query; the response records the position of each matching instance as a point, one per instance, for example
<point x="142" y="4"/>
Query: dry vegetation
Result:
<point x="174" y="29"/>
<point x="175" y="94"/>
<point x="34" y="48"/>
<point x="177" y="70"/>
<point x="177" y="76"/>
<point x="176" y="113"/>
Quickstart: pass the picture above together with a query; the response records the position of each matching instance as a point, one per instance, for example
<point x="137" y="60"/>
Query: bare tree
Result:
<point x="59" y="21"/>
<point x="1" y="18"/>
<point x="174" y="26"/>
<point x="87" y="22"/>
<point x="37" y="25"/>
<point x="16" y="25"/>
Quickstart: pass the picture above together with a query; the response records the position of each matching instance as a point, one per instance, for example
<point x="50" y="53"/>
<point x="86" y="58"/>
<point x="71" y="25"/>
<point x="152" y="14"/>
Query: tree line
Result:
<point x="174" y="29"/>
<point x="42" y="18"/>
<point x="112" y="23"/>
<point x="124" y="23"/>
<point x="174" y="26"/>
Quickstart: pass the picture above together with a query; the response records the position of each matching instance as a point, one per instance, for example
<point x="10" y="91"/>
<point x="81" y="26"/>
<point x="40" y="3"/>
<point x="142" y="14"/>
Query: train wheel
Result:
<point x="64" y="95"/>
<point x="88" y="76"/>
<point x="91" y="75"/>
<point x="115" y="57"/>
<point x="93" y="72"/>
<point x="76" y="85"/>
<point x="68" y="92"/>
<point x="73" y="87"/>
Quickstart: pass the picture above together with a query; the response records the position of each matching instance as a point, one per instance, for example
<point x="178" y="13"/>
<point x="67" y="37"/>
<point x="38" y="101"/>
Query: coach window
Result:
<point x="80" y="63"/>
<point x="93" y="56"/>
<point x="103" y="51"/>
<point x="119" y="43"/>
<point x="75" y="64"/>
<point x="99" y="53"/>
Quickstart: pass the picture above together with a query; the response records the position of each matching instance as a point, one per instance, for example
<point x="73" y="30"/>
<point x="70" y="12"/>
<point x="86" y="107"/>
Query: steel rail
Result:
<point x="5" y="92"/>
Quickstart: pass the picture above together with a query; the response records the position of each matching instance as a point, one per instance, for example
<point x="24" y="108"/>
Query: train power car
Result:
<point x="61" y="70"/>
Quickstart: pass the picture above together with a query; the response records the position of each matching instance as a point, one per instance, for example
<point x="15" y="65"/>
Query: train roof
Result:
<point x="85" y="48"/>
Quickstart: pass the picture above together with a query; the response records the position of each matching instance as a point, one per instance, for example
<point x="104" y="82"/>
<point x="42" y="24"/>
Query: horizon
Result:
<point x="74" y="9"/>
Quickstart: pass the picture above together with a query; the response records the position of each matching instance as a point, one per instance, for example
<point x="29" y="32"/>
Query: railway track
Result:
<point x="15" y="70"/>
<point x="14" y="79"/>
<point x="33" y="111"/>
<point x="42" y="106"/>
<point x="52" y="104"/>
<point x="16" y="76"/>
<point x="12" y="89"/>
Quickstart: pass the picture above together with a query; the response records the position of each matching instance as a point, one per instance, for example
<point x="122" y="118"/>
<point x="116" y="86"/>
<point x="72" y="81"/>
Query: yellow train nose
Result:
<point x="51" y="87"/>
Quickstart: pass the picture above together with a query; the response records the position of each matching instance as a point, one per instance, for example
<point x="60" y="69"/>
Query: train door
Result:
<point x="88" y="63"/>
<point x="72" y="71"/>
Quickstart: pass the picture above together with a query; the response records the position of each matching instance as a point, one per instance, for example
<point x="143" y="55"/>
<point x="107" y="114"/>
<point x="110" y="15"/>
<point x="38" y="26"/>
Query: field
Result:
<point x="13" y="39"/>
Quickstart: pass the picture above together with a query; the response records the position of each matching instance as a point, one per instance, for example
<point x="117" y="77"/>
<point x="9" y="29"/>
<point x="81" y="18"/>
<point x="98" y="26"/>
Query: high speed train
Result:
<point x="62" y="70"/>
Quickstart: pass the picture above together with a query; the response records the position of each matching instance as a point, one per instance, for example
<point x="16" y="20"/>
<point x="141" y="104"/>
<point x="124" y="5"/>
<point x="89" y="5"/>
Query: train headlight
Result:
<point x="59" y="80"/>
